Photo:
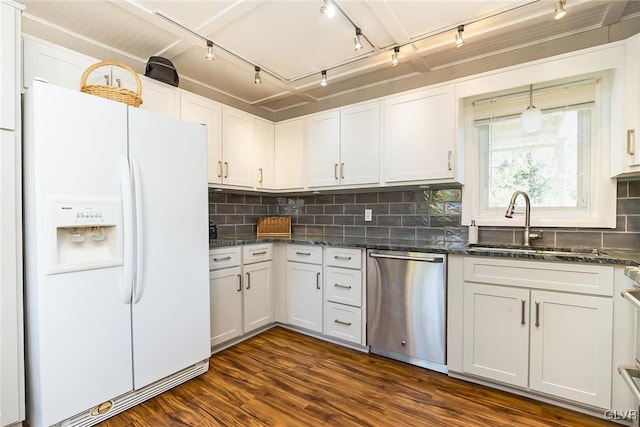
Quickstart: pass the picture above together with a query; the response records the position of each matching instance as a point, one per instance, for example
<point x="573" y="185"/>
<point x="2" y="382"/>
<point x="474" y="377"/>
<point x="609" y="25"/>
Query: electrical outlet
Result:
<point x="367" y="215"/>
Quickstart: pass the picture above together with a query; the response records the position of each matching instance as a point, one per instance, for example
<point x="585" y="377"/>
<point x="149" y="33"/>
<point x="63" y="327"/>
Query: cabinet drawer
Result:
<point x="340" y="257"/>
<point x="309" y="254"/>
<point x="224" y="257"/>
<point x="257" y="253"/>
<point x="344" y="286"/>
<point x="344" y="322"/>
<point x="568" y="277"/>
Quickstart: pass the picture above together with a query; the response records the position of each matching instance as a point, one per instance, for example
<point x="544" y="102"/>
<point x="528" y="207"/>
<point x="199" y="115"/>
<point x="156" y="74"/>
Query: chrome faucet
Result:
<point x="528" y="234"/>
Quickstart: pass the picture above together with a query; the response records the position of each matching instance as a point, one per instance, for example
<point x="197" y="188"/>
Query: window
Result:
<point x="560" y="166"/>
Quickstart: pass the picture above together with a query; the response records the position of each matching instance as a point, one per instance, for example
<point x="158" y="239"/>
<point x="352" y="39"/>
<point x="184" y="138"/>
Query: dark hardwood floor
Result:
<point x="282" y="378"/>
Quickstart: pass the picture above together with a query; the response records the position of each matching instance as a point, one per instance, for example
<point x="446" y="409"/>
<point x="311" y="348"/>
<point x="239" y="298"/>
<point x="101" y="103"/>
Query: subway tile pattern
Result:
<point x="431" y="215"/>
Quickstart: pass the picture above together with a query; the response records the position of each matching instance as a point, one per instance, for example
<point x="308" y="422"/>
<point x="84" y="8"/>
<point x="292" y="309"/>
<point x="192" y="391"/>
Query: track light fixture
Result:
<point x="560" y="10"/>
<point x="324" y="81"/>
<point x="328" y="9"/>
<point x="356" y="40"/>
<point x="394" y="56"/>
<point x="209" y="54"/>
<point x="459" y="39"/>
<point x="256" y="79"/>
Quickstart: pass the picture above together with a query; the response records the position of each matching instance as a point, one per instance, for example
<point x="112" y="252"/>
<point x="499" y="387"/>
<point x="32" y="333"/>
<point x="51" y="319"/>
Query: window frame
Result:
<point x="601" y="194"/>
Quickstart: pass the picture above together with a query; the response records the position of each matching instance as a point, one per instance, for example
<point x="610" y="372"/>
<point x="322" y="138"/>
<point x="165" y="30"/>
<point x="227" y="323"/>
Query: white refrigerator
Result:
<point x="116" y="255"/>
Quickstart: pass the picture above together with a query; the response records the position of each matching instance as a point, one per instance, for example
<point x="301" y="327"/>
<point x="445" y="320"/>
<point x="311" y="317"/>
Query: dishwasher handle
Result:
<point x="435" y="260"/>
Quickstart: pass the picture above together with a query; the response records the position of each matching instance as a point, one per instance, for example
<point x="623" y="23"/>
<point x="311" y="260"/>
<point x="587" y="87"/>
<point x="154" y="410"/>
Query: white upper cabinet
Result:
<point x="343" y="147"/>
<point x="203" y="110"/>
<point x="64" y="67"/>
<point x="323" y="149"/>
<point x="264" y="158"/>
<point x="632" y="105"/>
<point x="9" y="67"/>
<point x="360" y="144"/>
<point x="289" y="155"/>
<point x="420" y="136"/>
<point x="238" y="130"/>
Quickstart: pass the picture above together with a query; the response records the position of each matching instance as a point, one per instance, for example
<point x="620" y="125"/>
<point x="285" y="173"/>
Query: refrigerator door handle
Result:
<point x="137" y="192"/>
<point x="127" y="232"/>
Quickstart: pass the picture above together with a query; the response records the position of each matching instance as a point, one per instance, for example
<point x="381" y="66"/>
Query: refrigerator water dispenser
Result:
<point x="84" y="235"/>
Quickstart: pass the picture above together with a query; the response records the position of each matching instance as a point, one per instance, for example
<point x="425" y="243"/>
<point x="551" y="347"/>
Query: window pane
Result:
<point x="545" y="164"/>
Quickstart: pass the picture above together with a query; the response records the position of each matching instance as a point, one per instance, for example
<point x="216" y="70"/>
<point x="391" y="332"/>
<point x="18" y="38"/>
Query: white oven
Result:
<point x="631" y="373"/>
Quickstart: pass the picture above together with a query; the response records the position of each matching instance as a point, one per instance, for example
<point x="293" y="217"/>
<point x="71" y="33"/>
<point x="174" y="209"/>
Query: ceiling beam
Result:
<point x="614" y="12"/>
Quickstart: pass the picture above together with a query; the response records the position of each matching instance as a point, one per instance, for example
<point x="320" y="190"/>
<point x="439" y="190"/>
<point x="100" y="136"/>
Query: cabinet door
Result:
<point x="632" y="98"/>
<point x="323" y="150"/>
<point x="226" y="304"/>
<point x="360" y="144"/>
<point x="304" y="295"/>
<point x="57" y="65"/>
<point x="419" y="136"/>
<point x="496" y="333"/>
<point x="264" y="158"/>
<point x="159" y="97"/>
<point x="198" y="109"/>
<point x="237" y="147"/>
<point x="258" y="295"/>
<point x="289" y="154"/>
<point x="571" y="346"/>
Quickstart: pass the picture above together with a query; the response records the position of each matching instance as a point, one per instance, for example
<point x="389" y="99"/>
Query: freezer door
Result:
<point x="171" y="291"/>
<point x="78" y="326"/>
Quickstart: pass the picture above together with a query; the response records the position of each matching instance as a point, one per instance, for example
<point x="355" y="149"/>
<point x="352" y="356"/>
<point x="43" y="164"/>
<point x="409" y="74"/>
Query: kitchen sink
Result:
<point x="530" y="250"/>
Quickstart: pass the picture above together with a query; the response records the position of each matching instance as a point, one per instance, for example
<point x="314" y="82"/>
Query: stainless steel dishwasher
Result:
<point x="406" y="307"/>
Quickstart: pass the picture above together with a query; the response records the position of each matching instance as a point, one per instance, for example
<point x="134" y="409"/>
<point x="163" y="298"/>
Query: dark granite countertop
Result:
<point x="604" y="256"/>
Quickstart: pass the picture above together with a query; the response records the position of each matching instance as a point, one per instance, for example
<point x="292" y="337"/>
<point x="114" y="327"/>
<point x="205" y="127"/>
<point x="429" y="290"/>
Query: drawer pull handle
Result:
<point x="318" y="281"/>
<point x="259" y="253"/>
<point x="338" y="285"/>
<point x="522" y="321"/>
<point x="239" y="283"/>
<point x="346" y="258"/>
<point x="342" y="322"/>
<point x="537" y="314"/>
<point x="224" y="258"/>
<point x="303" y="253"/>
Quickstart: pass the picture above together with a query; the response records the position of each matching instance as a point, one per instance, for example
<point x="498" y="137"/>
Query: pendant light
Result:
<point x="257" y="80"/>
<point x="531" y="118"/>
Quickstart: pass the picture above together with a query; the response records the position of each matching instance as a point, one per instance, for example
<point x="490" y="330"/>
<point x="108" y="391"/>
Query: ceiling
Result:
<point x="293" y="42"/>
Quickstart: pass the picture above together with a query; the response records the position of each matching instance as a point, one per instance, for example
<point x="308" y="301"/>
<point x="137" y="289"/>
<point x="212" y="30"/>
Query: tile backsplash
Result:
<point x="431" y="215"/>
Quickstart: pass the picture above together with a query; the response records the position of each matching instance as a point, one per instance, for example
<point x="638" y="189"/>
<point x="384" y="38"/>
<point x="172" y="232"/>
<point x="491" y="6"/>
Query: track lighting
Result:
<point x="257" y="80"/>
<point x="560" y="10"/>
<point x="324" y="81"/>
<point x="209" y="54"/>
<point x="328" y="9"/>
<point x="394" y="56"/>
<point x="459" y="39"/>
<point x="356" y="40"/>
<point x="531" y="118"/>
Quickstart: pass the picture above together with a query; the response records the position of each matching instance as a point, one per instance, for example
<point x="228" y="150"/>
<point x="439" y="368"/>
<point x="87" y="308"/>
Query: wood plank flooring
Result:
<point x="282" y="378"/>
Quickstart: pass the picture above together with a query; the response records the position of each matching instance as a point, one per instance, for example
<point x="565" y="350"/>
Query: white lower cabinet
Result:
<point x="304" y="286"/>
<point x="344" y="322"/>
<point x="304" y="295"/>
<point x="258" y="286"/>
<point x="241" y="294"/>
<point x="226" y="304"/>
<point x="539" y="337"/>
